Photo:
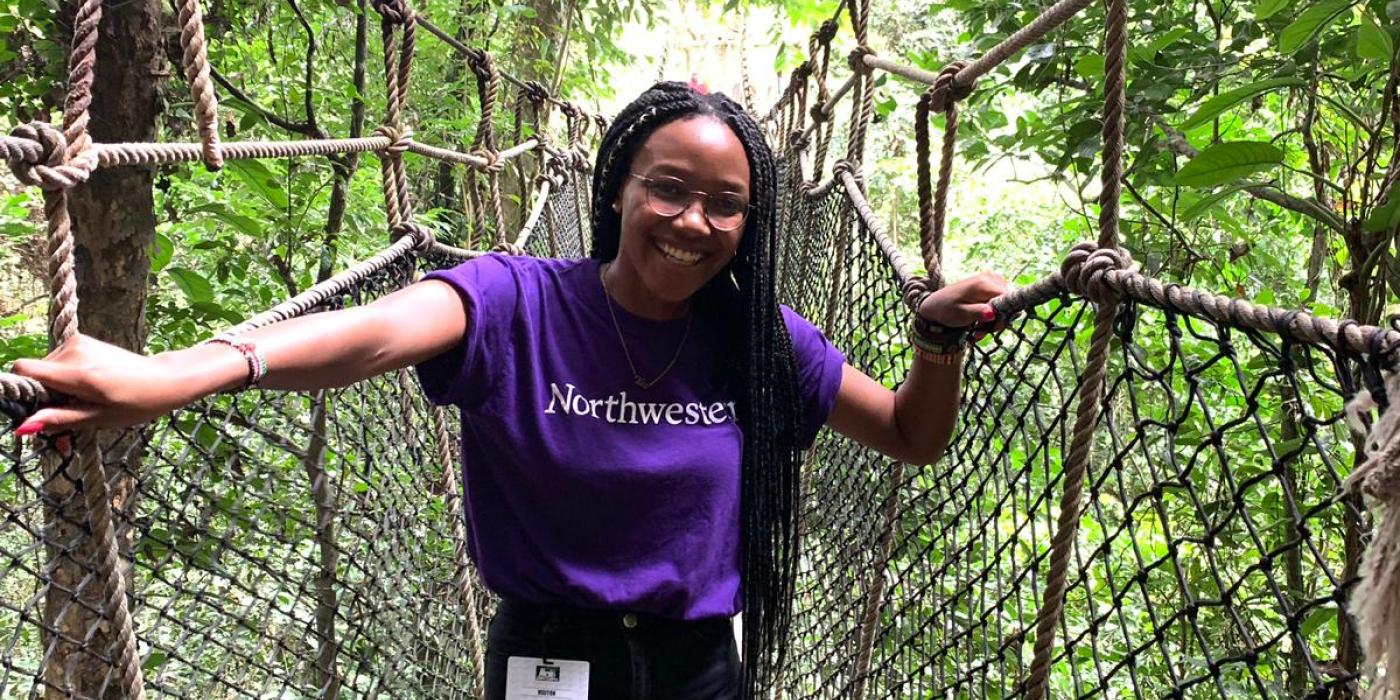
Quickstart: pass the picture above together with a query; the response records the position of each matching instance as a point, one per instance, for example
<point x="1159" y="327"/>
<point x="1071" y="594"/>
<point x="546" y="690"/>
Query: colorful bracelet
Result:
<point x="257" y="362"/>
<point x="940" y="358"/>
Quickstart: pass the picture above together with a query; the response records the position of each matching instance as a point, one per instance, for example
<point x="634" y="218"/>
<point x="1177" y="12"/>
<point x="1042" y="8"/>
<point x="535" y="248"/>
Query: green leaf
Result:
<point x="1373" y="42"/>
<point x="1309" y="24"/>
<point x="261" y="180"/>
<point x="1264" y="9"/>
<point x="161" y="252"/>
<point x="1225" y="100"/>
<point x="1208" y="202"/>
<point x="195" y="287"/>
<point x="1226" y="162"/>
<point x="1089" y="66"/>
<point x="1315" y="620"/>
<point x="245" y="224"/>
<point x="1386" y="215"/>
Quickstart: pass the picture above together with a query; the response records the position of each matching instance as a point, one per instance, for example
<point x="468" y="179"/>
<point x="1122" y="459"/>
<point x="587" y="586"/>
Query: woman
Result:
<point x="632" y="423"/>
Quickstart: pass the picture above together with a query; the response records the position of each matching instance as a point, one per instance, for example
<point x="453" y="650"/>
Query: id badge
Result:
<point x="529" y="678"/>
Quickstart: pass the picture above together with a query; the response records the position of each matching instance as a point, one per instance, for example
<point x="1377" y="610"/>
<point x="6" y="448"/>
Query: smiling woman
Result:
<point x="632" y="422"/>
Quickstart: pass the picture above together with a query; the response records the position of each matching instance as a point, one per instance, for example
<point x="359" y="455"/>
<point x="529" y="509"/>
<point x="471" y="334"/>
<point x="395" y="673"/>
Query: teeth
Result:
<point x="678" y="255"/>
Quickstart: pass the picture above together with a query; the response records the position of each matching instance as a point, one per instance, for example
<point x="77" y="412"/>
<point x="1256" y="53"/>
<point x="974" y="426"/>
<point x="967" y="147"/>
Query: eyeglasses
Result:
<point x="668" y="196"/>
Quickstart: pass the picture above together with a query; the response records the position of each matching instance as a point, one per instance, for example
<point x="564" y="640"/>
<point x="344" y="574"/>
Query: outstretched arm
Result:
<point x="111" y="387"/>
<point x="915" y="423"/>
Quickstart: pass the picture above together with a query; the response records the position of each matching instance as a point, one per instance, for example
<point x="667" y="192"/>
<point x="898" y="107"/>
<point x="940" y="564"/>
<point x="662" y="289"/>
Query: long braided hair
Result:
<point x="741" y="302"/>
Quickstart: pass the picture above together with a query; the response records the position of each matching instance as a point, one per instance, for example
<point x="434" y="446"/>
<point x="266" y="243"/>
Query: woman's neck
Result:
<point x="628" y="291"/>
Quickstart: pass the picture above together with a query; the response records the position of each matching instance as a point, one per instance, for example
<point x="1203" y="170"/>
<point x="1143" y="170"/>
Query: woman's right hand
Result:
<point x="109" y="387"/>
<point x="105" y="386"/>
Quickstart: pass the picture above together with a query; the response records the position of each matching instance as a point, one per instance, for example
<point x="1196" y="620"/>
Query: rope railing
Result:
<point x="961" y="547"/>
<point x="57" y="160"/>
<point x="1104" y="274"/>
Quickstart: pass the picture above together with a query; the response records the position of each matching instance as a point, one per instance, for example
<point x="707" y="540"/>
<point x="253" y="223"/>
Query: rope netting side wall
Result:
<point x="267" y="544"/>
<point x="1115" y="515"/>
<point x="1209" y="565"/>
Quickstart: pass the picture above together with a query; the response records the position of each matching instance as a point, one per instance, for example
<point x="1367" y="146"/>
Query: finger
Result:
<point x="64" y="418"/>
<point x="56" y="376"/>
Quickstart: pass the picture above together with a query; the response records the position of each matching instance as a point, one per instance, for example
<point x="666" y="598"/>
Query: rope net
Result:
<point x="1215" y="558"/>
<point x="295" y="545"/>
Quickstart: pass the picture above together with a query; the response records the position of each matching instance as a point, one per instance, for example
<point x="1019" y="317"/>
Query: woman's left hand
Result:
<point x="964" y="303"/>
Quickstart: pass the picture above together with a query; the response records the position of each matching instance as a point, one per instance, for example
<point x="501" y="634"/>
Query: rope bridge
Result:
<point x="288" y="544"/>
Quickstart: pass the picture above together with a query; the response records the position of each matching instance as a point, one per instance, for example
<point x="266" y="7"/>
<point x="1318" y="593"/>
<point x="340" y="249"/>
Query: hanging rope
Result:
<point x="1105" y="258"/>
<point x="58" y="162"/>
<point x="943" y="97"/>
<point x="1376" y="600"/>
<point x="488" y="84"/>
<point x="196" y="62"/>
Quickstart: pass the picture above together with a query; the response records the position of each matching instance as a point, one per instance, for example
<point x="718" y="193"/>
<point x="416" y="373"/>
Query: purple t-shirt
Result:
<point x="582" y="488"/>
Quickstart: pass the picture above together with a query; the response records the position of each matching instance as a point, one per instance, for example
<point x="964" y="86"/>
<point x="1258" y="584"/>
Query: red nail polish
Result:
<point x="29" y="428"/>
<point x="64" y="445"/>
<point x="989" y="313"/>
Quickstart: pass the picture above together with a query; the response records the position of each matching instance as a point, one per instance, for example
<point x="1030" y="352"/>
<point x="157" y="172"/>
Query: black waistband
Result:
<point x="541" y="613"/>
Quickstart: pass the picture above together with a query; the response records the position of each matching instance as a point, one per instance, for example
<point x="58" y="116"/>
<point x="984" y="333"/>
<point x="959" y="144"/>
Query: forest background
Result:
<point x="1262" y="138"/>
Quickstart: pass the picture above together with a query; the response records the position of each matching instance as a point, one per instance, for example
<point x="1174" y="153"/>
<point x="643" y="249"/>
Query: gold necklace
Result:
<point x="637" y="376"/>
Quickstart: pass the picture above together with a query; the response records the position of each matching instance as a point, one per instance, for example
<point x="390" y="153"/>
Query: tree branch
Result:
<point x="303" y="128"/>
<point x="310" y="70"/>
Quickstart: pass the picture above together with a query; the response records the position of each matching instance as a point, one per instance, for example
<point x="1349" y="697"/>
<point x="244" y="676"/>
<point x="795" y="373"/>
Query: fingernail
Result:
<point x="989" y="313"/>
<point x="29" y="428"/>
<point x="64" y="445"/>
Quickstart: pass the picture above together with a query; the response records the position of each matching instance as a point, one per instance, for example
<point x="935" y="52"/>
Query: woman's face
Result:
<point x="673" y="256"/>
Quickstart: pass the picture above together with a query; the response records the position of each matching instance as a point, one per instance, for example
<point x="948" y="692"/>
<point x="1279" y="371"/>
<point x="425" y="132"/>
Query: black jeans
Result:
<point x="630" y="656"/>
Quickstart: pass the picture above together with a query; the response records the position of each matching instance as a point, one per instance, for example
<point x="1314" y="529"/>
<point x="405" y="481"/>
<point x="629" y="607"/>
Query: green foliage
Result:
<point x="1223" y="163"/>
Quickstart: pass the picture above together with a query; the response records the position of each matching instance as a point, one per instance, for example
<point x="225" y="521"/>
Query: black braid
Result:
<point x="761" y="373"/>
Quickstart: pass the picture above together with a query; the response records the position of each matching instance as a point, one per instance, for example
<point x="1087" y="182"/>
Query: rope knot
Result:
<point x="398" y="139"/>
<point x="581" y="159"/>
<point x="601" y="122"/>
<point x="423" y="238"/>
<point x="493" y="163"/>
<point x="856" y="60"/>
<point x="534" y="91"/>
<point x="555" y="171"/>
<point x="916" y="289"/>
<point x="508" y="248"/>
<point x="481" y="64"/>
<point x="1087" y="268"/>
<point x="819" y="115"/>
<point x="946" y="91"/>
<point x="826" y="32"/>
<point x="846" y="166"/>
<point x="798" y="140"/>
<point x="391" y="10"/>
<point x="50" y="169"/>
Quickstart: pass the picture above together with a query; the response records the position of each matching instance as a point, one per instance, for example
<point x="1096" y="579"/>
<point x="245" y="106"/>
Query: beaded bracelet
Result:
<point x="936" y="338"/>
<point x="940" y="358"/>
<point x="257" y="362"/>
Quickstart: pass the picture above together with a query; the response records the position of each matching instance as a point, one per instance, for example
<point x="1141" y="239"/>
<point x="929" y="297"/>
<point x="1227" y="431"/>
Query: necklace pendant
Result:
<point x="642" y="382"/>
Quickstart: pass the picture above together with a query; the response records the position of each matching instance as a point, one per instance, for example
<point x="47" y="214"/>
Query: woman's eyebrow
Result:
<point x="681" y="172"/>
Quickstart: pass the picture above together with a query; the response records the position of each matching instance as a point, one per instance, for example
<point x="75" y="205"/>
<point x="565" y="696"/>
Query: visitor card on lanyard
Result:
<point x="557" y="679"/>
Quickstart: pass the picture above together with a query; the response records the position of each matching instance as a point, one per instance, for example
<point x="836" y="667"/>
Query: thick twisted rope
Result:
<point x="1376" y="600"/>
<point x="64" y="161"/>
<point x="398" y="65"/>
<point x="466" y="591"/>
<point x="1091" y="380"/>
<point x="409" y="239"/>
<point x="196" y="62"/>
<point x="942" y="97"/>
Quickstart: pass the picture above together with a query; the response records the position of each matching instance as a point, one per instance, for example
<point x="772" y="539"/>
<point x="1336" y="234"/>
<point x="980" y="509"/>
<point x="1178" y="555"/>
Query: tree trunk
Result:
<point x="114" y="226"/>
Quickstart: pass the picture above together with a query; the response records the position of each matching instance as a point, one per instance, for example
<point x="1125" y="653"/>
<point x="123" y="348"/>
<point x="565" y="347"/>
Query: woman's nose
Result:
<point x="693" y="216"/>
